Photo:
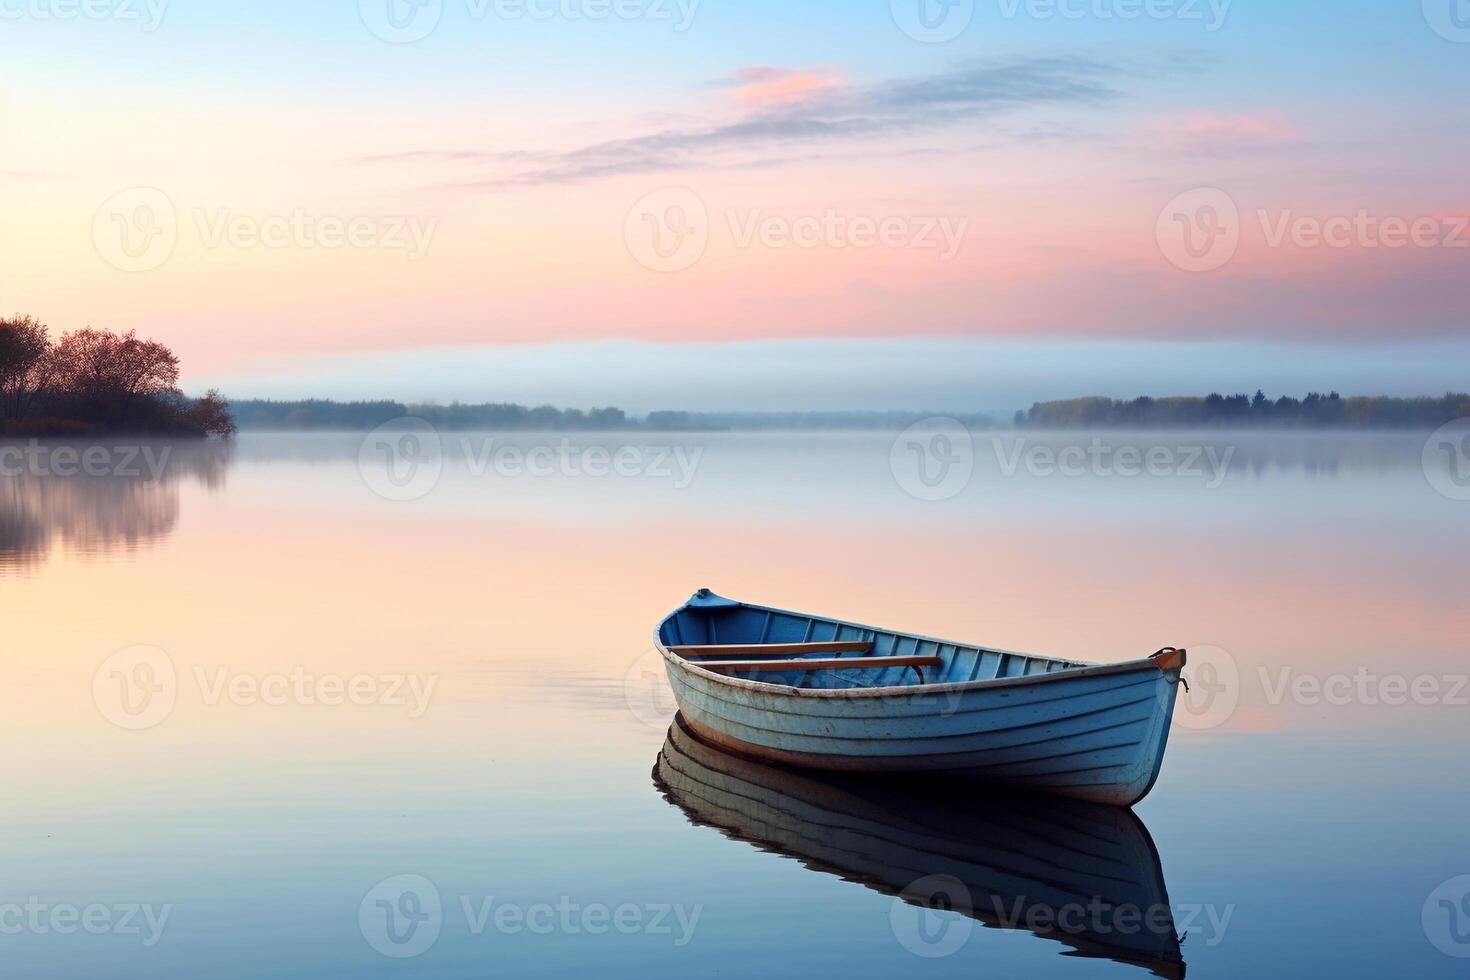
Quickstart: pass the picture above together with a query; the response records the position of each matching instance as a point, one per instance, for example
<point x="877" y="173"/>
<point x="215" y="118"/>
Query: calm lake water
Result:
<point x="307" y="706"/>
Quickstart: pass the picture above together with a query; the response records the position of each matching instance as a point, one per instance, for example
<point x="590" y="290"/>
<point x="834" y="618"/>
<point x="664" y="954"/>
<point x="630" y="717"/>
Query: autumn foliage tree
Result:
<point x="24" y="364"/>
<point x="95" y="380"/>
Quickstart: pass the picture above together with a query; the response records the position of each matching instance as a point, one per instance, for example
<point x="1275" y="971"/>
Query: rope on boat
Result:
<point x="1181" y="679"/>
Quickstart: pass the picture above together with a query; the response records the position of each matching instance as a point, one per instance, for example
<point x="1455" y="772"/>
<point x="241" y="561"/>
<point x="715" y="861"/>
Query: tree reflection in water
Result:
<point x="49" y="499"/>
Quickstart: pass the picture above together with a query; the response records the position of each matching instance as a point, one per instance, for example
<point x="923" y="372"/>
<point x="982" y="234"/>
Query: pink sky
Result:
<point x="1048" y="170"/>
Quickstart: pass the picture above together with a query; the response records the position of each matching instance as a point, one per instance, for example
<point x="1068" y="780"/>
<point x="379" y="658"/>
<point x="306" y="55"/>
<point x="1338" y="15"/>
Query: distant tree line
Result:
<point x="321" y="415"/>
<point x="361" y="416"/>
<point x="1315" y="411"/>
<point x="757" y="421"/>
<point x="93" y="381"/>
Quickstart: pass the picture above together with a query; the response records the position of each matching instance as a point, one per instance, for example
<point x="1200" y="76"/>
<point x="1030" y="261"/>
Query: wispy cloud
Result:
<point x="767" y="85"/>
<point x="786" y="108"/>
<point x="1214" y="133"/>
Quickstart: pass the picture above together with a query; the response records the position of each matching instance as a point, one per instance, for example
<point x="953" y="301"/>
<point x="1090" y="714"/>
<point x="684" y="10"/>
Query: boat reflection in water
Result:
<point x="1083" y="874"/>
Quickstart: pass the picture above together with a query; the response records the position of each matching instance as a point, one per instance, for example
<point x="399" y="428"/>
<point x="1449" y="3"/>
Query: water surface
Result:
<point x="458" y="686"/>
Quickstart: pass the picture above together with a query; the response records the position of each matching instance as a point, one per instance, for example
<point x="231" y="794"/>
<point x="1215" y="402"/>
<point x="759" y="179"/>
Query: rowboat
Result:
<point x="1081" y="874"/>
<point x="822" y="693"/>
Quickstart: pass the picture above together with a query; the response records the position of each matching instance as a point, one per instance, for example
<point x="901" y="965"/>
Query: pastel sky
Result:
<point x="288" y="192"/>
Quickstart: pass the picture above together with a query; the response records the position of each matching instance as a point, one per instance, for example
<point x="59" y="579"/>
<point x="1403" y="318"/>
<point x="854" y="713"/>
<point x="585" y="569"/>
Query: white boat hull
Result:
<point x="1095" y="733"/>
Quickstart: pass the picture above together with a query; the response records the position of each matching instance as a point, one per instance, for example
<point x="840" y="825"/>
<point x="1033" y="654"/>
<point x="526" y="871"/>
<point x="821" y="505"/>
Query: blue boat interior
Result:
<point x="709" y="620"/>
